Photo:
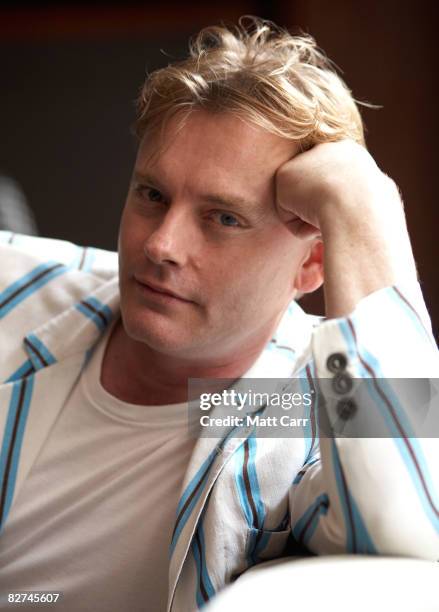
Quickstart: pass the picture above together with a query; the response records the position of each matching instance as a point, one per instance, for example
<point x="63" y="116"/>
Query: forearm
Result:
<point x="366" y="246"/>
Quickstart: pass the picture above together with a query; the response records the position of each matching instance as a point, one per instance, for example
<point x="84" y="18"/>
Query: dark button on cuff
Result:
<point x="336" y="362"/>
<point x="342" y="383"/>
<point x="346" y="409"/>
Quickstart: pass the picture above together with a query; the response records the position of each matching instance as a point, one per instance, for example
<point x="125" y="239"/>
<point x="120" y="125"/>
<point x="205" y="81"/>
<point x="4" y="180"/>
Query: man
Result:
<point x="252" y="185"/>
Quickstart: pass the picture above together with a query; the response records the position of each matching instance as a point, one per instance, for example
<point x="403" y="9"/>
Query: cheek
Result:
<point x="265" y="274"/>
<point x="235" y="285"/>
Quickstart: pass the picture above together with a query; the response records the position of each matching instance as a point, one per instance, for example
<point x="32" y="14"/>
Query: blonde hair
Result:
<point x="261" y="73"/>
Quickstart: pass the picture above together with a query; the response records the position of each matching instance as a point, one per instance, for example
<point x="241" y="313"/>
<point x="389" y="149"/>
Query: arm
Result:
<point x="337" y="193"/>
<point x="370" y="495"/>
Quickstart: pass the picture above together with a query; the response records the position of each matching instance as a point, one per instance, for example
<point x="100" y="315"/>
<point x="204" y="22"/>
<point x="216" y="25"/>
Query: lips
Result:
<point x="159" y="289"/>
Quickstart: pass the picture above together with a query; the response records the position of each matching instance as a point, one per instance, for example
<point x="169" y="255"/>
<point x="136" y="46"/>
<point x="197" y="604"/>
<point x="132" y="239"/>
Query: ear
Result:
<point x="309" y="275"/>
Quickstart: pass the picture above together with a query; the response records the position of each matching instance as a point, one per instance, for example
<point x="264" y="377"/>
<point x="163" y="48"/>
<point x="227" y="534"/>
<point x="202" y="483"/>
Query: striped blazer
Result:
<point x="245" y="497"/>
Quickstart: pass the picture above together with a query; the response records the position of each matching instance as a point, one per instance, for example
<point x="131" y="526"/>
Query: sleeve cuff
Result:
<point x="389" y="332"/>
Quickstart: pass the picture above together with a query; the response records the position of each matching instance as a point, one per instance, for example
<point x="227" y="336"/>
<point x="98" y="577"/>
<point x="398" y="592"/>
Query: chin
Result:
<point x="161" y="336"/>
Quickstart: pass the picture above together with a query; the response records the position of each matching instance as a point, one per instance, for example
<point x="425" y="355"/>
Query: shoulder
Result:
<point x="42" y="277"/>
<point x="21" y="253"/>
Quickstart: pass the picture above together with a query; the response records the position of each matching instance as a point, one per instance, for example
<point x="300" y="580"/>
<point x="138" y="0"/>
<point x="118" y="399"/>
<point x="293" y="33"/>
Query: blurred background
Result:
<point x="70" y="74"/>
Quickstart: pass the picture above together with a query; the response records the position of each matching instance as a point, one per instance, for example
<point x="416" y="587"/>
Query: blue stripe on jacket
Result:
<point x="205" y="589"/>
<point x="400" y="430"/>
<point x="96" y="311"/>
<point x="25" y="286"/>
<point x="25" y="369"/>
<point x="41" y="356"/>
<point x="12" y="441"/>
<point x="249" y="496"/>
<point x="197" y="484"/>
<point x="304" y="529"/>
<point x="358" y="539"/>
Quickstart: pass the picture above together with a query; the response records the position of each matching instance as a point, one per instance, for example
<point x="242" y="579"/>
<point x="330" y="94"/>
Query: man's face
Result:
<point x="200" y="221"/>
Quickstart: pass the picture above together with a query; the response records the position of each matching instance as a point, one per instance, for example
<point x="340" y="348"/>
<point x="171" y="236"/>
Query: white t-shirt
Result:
<point x="94" y="518"/>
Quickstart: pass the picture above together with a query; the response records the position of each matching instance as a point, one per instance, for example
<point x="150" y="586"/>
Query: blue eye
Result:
<point x="227" y="216"/>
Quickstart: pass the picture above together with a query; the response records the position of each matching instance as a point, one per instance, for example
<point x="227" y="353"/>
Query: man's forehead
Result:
<point x="224" y="136"/>
<point x="207" y="153"/>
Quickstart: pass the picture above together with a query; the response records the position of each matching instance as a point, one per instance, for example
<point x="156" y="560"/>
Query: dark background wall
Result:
<point x="70" y="75"/>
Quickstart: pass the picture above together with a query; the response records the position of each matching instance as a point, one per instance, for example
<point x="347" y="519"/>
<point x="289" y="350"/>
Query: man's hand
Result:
<point x="336" y="192"/>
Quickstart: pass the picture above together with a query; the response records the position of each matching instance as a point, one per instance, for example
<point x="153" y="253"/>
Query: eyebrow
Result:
<point x="232" y="201"/>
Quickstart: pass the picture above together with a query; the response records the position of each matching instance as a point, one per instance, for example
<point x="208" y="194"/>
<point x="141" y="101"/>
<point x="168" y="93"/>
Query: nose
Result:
<point x="171" y="239"/>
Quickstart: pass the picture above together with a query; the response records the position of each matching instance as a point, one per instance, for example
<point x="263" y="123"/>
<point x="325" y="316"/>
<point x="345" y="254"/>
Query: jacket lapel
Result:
<point x="28" y="410"/>
<point x="31" y="399"/>
<point x="288" y="347"/>
<point x="210" y="456"/>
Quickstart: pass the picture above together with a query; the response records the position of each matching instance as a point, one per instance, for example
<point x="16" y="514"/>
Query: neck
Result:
<point x="137" y="374"/>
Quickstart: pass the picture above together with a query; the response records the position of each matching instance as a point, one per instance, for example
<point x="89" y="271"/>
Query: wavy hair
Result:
<point x="261" y="73"/>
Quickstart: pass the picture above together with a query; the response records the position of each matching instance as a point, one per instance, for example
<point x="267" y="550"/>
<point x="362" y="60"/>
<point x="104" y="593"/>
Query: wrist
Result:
<point x="354" y="210"/>
<point x="366" y="247"/>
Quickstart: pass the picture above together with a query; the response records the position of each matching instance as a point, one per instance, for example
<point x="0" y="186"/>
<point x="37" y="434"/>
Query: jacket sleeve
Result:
<point x="371" y="485"/>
